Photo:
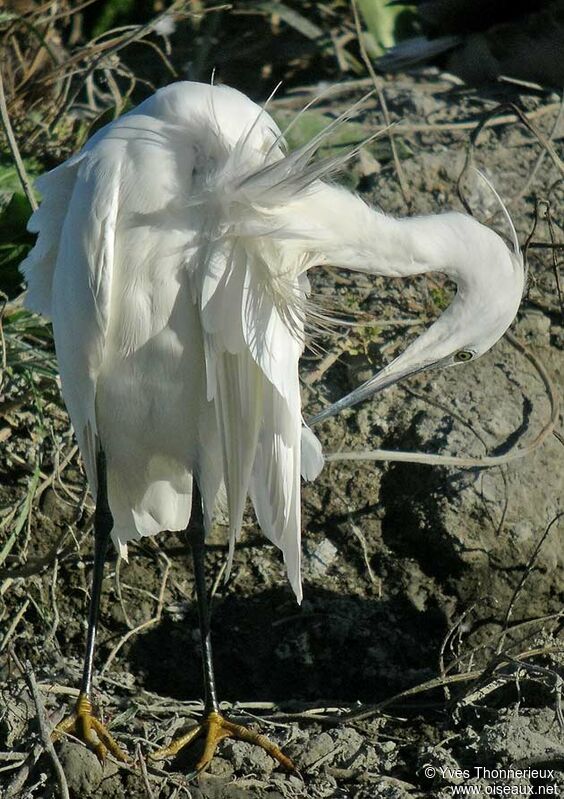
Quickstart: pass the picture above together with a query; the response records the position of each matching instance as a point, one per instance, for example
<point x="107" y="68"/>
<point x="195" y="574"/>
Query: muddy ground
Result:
<point x="414" y="573"/>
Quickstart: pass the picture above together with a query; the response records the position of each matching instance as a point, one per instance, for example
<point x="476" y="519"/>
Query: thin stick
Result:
<point x="15" y="621"/>
<point x="382" y="98"/>
<point x="481" y="463"/>
<point x="521" y="583"/>
<point x="143" y="626"/>
<point x="144" y="774"/>
<point x="355" y="716"/>
<point x="15" y="786"/>
<point x="44" y="732"/>
<point x="109" y="48"/>
<point x="13" y="145"/>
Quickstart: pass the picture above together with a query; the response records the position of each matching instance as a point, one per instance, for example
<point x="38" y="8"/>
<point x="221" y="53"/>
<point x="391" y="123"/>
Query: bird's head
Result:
<point x="490" y="280"/>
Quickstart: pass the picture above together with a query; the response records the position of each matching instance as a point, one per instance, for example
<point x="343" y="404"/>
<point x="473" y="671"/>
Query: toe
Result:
<point x="241" y="733"/>
<point x="107" y="742"/>
<point x="178" y="743"/>
<point x="90" y="730"/>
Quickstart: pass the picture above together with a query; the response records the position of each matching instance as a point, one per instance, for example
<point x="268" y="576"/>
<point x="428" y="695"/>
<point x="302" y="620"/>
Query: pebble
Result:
<point x="322" y="558"/>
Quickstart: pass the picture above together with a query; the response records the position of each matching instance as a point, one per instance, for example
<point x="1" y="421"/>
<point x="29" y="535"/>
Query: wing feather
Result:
<point x="38" y="268"/>
<point x="275" y="482"/>
<point x="252" y="358"/>
<point x="238" y="404"/>
<point x="81" y="297"/>
<point x="273" y="332"/>
<point x="234" y="381"/>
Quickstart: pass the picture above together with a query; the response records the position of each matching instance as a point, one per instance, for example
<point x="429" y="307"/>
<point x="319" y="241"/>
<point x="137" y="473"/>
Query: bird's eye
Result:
<point x="463" y="355"/>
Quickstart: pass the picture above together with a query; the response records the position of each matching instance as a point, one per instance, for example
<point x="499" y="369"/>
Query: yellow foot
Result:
<point x="214" y="728"/>
<point x="83" y="725"/>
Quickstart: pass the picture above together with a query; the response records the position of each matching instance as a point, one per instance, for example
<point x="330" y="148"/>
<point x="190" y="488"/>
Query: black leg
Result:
<point x="83" y="723"/>
<point x="214" y="727"/>
<point x="103" y="523"/>
<point x="196" y="535"/>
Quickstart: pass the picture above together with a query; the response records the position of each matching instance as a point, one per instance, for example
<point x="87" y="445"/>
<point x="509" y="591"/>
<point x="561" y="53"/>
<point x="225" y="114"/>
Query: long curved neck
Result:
<point x="362" y="239"/>
<point x="347" y="233"/>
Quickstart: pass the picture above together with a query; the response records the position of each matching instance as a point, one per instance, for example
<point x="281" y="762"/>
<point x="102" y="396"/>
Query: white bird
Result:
<point x="172" y="258"/>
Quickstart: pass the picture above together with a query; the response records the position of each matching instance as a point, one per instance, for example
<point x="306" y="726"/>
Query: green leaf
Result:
<point x="311" y="122"/>
<point x="9" y="178"/>
<point x="385" y="24"/>
<point x="15" y="242"/>
<point x="13" y="220"/>
<point x="115" y="12"/>
<point x="21" y="519"/>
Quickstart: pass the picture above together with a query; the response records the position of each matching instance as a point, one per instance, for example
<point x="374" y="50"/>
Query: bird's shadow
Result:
<point x="333" y="647"/>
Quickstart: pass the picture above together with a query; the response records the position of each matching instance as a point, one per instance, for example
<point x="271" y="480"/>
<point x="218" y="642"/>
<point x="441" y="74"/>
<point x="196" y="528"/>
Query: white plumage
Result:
<point x="172" y="258"/>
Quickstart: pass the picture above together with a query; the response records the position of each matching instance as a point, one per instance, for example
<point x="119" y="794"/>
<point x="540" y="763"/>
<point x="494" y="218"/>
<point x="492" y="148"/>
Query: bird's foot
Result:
<point x="214" y="728"/>
<point x="87" y="728"/>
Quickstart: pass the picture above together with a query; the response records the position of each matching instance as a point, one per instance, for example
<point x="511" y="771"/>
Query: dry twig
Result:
<point x="485" y="462"/>
<point x="144" y="625"/>
<point x="45" y="733"/>
<point x="382" y="98"/>
<point x="524" y="577"/>
<point x="14" y="149"/>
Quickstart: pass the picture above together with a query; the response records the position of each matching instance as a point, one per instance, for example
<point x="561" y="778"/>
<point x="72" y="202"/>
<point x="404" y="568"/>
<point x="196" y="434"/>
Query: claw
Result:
<point x="90" y="730"/>
<point x="215" y="728"/>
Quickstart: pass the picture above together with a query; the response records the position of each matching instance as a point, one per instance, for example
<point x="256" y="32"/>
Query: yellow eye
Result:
<point x="463" y="355"/>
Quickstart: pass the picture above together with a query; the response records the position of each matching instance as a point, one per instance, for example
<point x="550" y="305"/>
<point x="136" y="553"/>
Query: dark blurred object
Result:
<point x="480" y="40"/>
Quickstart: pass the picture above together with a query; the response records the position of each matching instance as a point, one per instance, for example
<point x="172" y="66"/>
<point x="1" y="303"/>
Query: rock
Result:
<point x="222" y="765"/>
<point x="248" y="759"/>
<point x="319" y="747"/>
<point x="352" y="751"/>
<point x="322" y="558"/>
<point x="83" y="770"/>
<point x="16" y="719"/>
<point x="388" y="754"/>
<point x="515" y="739"/>
<point x="534" y="326"/>
<point x="439" y="765"/>
<point x="390" y="788"/>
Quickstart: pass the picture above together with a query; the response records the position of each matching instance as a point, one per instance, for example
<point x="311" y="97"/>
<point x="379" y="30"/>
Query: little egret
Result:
<point x="172" y="258"/>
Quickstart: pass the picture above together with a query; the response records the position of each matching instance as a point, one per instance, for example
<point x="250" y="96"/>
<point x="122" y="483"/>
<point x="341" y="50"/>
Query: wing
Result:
<point x="69" y="278"/>
<point x="252" y="375"/>
<point x="56" y="188"/>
